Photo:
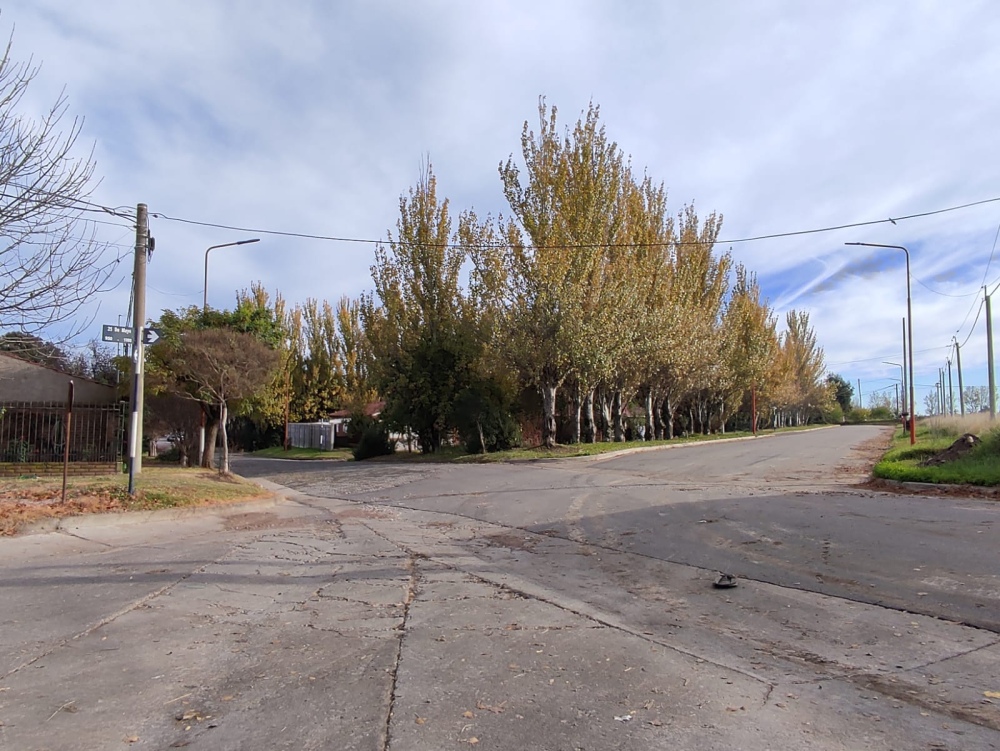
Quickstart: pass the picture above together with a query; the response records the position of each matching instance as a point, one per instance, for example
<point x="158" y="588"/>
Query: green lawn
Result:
<point x="981" y="466"/>
<point x="277" y="452"/>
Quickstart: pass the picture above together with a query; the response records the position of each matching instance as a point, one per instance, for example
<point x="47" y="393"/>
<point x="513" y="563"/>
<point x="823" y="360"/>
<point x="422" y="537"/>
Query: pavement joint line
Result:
<point x="411" y="564"/>
<point x="103" y="622"/>
<point x="619" y="551"/>
<point x="954" y="656"/>
<point x="530" y="592"/>
<point x="124" y="610"/>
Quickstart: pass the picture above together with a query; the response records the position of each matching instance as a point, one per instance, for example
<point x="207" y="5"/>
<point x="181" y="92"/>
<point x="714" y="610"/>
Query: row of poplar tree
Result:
<point x="589" y="307"/>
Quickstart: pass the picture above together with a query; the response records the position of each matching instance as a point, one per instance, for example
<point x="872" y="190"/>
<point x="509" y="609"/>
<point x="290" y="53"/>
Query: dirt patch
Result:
<point x="957" y="450"/>
<point x="512" y="541"/>
<point x="362" y="513"/>
<point x="16" y="514"/>
<point x="257" y="520"/>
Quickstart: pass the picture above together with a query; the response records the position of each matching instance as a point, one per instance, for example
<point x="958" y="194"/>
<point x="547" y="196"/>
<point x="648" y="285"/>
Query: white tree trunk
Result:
<point x="223" y="417"/>
<point x="548" y="390"/>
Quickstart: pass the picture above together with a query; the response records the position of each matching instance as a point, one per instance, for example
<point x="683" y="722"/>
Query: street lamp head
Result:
<point x="247" y="242"/>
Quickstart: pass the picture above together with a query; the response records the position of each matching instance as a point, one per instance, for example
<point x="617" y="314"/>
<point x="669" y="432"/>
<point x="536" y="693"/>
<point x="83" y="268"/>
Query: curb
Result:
<point x="934" y="488"/>
<point x="98" y="521"/>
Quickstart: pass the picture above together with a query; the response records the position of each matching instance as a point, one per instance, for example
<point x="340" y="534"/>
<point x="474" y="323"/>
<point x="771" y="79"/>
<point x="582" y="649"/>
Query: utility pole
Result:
<point x="905" y="392"/>
<point x="958" y="361"/>
<point x="989" y="357"/>
<point x="138" y="348"/>
<point x="861" y="403"/>
<point x="951" y="391"/>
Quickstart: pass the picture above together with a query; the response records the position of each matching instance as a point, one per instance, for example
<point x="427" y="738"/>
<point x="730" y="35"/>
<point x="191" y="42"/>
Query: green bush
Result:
<point x="483" y="413"/>
<point x="858" y="414"/>
<point x="374" y="441"/>
<point x="832" y="414"/>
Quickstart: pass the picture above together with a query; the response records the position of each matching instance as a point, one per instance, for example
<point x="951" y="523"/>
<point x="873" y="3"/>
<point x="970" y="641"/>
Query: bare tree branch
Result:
<point x="51" y="262"/>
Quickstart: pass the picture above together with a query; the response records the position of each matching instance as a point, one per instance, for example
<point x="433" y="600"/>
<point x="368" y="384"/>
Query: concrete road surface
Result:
<point x="546" y="605"/>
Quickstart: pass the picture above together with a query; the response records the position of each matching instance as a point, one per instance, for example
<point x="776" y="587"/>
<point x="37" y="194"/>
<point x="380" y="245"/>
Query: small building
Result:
<point x="330" y="433"/>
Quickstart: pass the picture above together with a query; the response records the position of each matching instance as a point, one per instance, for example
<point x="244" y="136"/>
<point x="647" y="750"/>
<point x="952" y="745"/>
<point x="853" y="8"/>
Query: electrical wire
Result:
<point x="795" y="233"/>
<point x="943" y="294"/>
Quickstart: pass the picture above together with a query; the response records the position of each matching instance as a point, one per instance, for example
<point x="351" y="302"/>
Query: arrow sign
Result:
<point x="118" y="334"/>
<point x="151" y="335"/>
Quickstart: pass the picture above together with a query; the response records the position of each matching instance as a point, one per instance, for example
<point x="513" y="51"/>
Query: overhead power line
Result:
<point x="776" y="235"/>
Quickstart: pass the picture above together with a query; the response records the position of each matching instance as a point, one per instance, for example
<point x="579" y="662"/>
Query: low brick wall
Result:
<point x="48" y="469"/>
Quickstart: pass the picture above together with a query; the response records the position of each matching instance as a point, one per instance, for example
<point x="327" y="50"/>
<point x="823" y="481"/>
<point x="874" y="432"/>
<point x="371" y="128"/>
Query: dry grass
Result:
<point x="978" y="424"/>
<point x="27" y="500"/>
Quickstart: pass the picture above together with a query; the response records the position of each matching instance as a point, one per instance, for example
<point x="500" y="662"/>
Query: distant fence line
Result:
<point x="35" y="433"/>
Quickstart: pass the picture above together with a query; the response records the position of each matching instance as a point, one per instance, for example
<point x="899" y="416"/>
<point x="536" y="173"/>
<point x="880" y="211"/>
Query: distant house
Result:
<point x="342" y="417"/>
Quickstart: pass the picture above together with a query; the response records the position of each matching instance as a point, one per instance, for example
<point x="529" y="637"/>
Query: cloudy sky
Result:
<point x="314" y="116"/>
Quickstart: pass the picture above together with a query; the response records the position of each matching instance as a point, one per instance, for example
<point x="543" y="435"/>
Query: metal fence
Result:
<point x="36" y="432"/>
<point x="312" y="435"/>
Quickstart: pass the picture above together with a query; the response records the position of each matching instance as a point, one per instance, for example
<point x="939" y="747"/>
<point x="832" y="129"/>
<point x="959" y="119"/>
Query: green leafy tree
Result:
<point x="254" y="314"/>
<point x="422" y="348"/>
<point x="843" y="391"/>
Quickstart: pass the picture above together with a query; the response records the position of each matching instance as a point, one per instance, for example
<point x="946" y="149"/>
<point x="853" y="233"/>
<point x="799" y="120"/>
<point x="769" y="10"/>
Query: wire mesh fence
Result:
<point x="33" y="433"/>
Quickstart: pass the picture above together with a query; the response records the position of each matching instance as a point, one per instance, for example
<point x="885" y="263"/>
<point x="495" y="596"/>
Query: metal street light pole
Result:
<point x="909" y="318"/>
<point x="204" y="310"/>
<point x="204" y="306"/>
<point x="958" y="361"/>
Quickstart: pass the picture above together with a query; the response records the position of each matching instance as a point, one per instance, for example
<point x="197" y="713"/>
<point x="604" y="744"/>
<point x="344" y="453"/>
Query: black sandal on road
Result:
<point x="725" y="581"/>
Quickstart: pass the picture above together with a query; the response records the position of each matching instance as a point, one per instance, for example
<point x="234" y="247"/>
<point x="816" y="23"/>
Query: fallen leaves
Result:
<point x="495" y="709"/>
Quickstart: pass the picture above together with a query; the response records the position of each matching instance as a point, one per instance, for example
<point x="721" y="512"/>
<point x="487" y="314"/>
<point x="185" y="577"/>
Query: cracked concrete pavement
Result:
<point x="367" y="622"/>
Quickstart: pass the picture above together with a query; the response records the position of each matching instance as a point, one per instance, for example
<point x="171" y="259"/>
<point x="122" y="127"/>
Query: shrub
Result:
<point x="858" y="414"/>
<point x="373" y="441"/>
<point x="483" y="415"/>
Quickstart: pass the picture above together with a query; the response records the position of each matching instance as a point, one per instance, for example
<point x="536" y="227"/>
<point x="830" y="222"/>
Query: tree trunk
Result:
<point x="211" y="435"/>
<point x="669" y="412"/>
<point x="574" y="411"/>
<point x="223" y="414"/>
<point x="658" y="419"/>
<point x="647" y="394"/>
<point x="548" y="390"/>
<point x="616" y="416"/>
<point x="482" y="440"/>
<point x="605" y="405"/>
<point x="589" y="428"/>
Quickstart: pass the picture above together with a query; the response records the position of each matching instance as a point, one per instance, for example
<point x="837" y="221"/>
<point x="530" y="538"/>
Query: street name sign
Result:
<point x="118" y="334"/>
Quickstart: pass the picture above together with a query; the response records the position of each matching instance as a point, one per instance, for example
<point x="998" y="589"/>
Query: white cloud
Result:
<point x="314" y="117"/>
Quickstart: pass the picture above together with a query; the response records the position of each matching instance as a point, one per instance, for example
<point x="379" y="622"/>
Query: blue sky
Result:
<point x="314" y="117"/>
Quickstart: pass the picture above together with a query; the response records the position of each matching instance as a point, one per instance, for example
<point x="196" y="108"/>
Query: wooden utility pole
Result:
<point x="989" y="357"/>
<point x="958" y="362"/>
<point x="138" y="347"/>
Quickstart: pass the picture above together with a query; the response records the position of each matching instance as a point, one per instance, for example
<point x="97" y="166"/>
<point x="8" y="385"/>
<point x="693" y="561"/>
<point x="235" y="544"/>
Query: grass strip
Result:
<point x="29" y="499"/>
<point x="980" y="466"/>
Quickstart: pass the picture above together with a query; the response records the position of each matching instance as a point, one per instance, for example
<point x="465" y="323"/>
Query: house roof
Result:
<point x="372" y="409"/>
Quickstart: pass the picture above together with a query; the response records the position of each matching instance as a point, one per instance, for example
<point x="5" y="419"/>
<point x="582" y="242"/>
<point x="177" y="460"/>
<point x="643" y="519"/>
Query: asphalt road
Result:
<point x="546" y="605"/>
<point x="787" y="509"/>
